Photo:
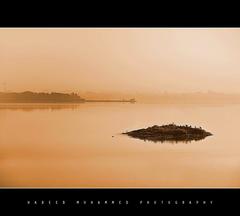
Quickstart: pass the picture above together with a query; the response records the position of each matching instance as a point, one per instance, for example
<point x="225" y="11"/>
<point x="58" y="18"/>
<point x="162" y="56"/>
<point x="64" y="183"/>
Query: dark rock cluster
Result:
<point x="170" y="132"/>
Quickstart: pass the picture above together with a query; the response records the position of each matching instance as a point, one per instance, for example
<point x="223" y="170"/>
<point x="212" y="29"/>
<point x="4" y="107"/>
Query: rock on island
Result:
<point x="170" y="132"/>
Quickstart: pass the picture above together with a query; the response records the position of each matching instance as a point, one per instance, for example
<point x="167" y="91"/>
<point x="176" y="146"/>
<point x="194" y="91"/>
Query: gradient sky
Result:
<point x="122" y="60"/>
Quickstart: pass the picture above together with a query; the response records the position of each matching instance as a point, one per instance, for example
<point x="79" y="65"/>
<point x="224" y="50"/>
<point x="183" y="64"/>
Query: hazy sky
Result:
<point x="123" y="60"/>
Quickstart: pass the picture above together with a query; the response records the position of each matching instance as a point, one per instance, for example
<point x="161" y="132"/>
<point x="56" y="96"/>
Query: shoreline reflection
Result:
<point x="39" y="106"/>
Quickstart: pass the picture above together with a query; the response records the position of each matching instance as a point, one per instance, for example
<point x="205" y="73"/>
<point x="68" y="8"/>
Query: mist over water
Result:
<point x="81" y="145"/>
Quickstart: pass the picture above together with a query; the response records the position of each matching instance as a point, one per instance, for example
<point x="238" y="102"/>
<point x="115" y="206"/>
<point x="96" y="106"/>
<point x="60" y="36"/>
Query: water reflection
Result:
<point x="39" y="106"/>
<point x="172" y="141"/>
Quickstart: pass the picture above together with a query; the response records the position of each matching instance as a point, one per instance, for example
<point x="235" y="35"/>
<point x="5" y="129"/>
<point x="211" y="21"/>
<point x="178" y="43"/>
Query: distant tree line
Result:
<point x="31" y="97"/>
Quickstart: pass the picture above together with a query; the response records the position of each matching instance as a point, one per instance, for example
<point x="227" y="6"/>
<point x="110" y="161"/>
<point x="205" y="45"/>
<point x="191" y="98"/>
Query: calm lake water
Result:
<point x="44" y="145"/>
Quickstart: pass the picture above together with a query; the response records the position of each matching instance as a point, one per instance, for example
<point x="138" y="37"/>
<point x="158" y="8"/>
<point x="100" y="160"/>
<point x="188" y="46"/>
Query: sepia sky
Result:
<point x="122" y="60"/>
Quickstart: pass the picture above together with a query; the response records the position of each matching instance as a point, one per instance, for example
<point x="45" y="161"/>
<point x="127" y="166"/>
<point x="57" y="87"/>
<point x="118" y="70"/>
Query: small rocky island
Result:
<point x="170" y="132"/>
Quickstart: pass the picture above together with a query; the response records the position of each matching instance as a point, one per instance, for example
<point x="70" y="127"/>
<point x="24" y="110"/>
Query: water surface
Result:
<point x="80" y="145"/>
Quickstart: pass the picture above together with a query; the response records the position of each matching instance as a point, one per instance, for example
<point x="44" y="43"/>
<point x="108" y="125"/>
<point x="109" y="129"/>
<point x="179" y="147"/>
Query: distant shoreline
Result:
<point x="164" y="98"/>
<point x="112" y="101"/>
<point x="69" y="102"/>
<point x="54" y="97"/>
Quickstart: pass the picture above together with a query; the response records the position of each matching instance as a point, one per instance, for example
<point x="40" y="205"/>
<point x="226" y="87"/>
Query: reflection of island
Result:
<point x="170" y="132"/>
<point x="54" y="97"/>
